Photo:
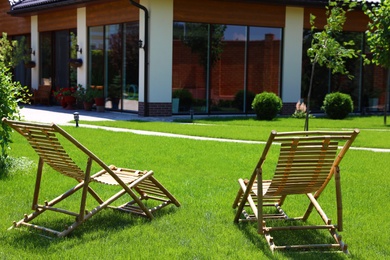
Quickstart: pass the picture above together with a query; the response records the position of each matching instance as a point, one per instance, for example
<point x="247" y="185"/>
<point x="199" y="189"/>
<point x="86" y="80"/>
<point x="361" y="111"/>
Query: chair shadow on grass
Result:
<point x="290" y="238"/>
<point x="104" y="224"/>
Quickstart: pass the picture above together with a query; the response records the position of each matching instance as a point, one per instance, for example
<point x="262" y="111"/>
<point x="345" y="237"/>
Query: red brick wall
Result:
<point x="227" y="74"/>
<point x="155" y="109"/>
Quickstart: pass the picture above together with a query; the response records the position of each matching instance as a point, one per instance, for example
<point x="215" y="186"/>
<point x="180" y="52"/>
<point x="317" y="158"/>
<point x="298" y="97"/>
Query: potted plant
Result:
<point x="115" y="92"/>
<point x="67" y="97"/>
<point x="85" y="97"/>
<point x="98" y="96"/>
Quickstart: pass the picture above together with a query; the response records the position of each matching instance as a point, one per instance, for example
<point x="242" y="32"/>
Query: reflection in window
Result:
<point x="114" y="64"/>
<point x="219" y="68"/>
<point x="46" y="58"/>
<point x="366" y="90"/>
<point x="113" y="56"/>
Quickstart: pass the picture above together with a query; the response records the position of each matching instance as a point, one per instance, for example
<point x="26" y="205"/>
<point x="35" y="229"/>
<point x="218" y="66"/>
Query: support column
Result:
<point x="82" y="40"/>
<point x="35" y="46"/>
<point x="292" y="59"/>
<point x="159" y="46"/>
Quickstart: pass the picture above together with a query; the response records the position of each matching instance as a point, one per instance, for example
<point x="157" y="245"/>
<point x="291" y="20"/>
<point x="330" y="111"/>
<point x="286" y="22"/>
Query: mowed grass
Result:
<point x="373" y="132"/>
<point x="202" y="175"/>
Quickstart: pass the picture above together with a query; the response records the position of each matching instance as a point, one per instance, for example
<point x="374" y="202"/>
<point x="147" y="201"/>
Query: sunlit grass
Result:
<point x="373" y="132"/>
<point x="203" y="176"/>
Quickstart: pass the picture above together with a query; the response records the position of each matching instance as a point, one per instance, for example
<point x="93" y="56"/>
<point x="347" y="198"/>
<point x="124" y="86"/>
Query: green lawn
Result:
<point x="373" y="132"/>
<point x="203" y="176"/>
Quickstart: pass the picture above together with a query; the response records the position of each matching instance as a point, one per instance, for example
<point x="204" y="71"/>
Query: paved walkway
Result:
<point x="58" y="115"/>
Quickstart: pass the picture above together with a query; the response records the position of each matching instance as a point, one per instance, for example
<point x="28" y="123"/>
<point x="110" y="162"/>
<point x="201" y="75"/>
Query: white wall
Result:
<point x="160" y="50"/>
<point x="82" y="42"/>
<point x="35" y="47"/>
<point x="292" y="55"/>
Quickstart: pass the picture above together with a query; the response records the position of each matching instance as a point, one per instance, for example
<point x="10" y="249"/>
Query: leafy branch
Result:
<point x="325" y="48"/>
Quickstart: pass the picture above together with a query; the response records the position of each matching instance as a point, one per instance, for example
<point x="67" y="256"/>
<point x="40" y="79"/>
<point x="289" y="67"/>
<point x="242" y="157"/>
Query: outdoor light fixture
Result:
<point x="76" y="117"/>
<point x="32" y="51"/>
<point x="140" y="44"/>
<point x="78" y="49"/>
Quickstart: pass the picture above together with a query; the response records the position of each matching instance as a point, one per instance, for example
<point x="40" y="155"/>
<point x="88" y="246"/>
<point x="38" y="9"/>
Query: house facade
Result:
<point x="164" y="57"/>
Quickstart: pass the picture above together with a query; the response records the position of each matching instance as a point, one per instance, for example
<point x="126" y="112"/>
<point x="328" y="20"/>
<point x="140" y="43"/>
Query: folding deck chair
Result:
<point x="307" y="162"/>
<point x="139" y="185"/>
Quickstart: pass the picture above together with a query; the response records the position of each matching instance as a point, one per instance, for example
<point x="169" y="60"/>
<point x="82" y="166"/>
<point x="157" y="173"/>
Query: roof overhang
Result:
<point x="26" y="7"/>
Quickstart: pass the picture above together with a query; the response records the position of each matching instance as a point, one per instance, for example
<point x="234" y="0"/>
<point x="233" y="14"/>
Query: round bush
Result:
<point x="266" y="105"/>
<point x="337" y="105"/>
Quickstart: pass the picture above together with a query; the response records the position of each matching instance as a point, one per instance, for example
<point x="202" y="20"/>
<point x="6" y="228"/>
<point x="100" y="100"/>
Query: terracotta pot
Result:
<point x="99" y="101"/>
<point x="87" y="106"/>
<point x="70" y="101"/>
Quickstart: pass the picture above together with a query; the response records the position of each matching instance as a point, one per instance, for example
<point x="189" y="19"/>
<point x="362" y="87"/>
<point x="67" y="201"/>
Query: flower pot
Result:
<point x="115" y="103"/>
<point x="75" y="63"/>
<point x="29" y="64"/>
<point x="87" y="106"/>
<point x="99" y="101"/>
<point x="175" y="105"/>
<point x="70" y="101"/>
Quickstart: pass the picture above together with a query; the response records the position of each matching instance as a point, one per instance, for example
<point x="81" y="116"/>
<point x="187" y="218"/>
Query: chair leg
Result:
<point x="37" y="184"/>
<point x="339" y="200"/>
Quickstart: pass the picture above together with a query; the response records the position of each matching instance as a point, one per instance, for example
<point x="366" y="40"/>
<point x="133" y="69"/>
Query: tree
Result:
<point x="325" y="49"/>
<point x="205" y="40"/>
<point x="378" y="39"/>
<point x="11" y="93"/>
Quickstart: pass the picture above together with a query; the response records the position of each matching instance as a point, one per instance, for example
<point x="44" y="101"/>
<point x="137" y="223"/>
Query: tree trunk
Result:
<point x="386" y="96"/>
<point x="308" y="97"/>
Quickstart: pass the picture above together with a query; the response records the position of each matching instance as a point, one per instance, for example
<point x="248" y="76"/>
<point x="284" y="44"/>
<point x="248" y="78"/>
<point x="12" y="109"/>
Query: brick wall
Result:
<point x="155" y="109"/>
<point x="228" y="73"/>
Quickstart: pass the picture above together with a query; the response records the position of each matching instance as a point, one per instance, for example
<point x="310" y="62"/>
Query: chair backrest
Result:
<point x="307" y="160"/>
<point x="44" y="91"/>
<point x="44" y="139"/>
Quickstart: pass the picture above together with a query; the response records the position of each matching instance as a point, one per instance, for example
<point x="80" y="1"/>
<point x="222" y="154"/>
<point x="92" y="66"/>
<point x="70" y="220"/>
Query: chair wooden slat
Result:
<point x="307" y="162"/>
<point x="139" y="185"/>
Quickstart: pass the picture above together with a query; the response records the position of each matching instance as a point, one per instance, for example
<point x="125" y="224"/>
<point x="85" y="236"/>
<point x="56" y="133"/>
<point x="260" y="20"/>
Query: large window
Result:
<point x="22" y="73"/>
<point x="367" y="91"/>
<point x="56" y="50"/>
<point x="219" y="68"/>
<point x="113" y="60"/>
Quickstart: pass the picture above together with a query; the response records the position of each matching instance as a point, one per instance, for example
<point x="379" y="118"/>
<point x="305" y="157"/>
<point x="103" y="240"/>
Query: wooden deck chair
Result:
<point x="307" y="162"/>
<point x="139" y="185"/>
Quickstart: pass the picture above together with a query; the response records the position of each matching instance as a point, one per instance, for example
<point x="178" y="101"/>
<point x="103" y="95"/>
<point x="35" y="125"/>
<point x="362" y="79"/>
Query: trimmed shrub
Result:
<point x="266" y="105"/>
<point x="337" y="105"/>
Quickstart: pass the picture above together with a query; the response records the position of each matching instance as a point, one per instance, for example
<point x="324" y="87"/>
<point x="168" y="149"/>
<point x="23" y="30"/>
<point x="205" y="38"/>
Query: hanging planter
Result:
<point x="75" y="63"/>
<point x="29" y="64"/>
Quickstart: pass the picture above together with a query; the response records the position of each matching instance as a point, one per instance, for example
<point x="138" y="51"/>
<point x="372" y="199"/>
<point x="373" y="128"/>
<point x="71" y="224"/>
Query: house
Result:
<point x="213" y="55"/>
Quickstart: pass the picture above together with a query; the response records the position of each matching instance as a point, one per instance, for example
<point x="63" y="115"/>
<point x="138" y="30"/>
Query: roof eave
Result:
<point x="17" y="11"/>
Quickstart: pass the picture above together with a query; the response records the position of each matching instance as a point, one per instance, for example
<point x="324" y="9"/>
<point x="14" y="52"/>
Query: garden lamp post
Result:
<point x="76" y="117"/>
